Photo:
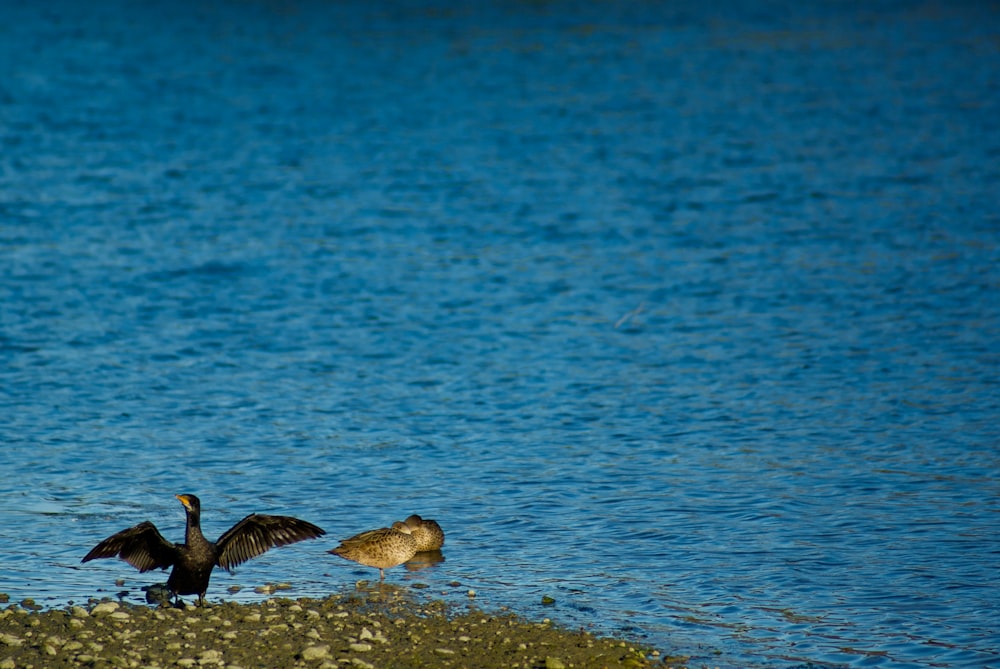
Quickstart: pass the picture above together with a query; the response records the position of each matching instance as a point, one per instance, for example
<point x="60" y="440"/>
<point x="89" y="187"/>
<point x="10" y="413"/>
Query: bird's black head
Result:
<point x="191" y="503"/>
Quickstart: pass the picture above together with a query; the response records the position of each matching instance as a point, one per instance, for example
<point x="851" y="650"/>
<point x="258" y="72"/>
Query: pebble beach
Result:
<point x="372" y="626"/>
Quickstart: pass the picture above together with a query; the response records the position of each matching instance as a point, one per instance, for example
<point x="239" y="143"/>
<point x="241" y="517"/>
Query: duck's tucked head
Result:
<point x="401" y="527"/>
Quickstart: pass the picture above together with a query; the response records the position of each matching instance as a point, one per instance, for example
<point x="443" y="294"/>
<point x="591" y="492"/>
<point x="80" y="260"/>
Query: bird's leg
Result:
<point x="201" y="599"/>
<point x="381" y="574"/>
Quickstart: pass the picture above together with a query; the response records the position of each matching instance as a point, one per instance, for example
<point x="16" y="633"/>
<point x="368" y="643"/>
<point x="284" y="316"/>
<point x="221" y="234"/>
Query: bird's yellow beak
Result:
<point x="184" y="500"/>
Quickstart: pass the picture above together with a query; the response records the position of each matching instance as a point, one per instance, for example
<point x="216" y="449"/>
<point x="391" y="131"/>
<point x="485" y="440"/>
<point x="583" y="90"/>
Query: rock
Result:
<point x="313" y="653"/>
<point x="158" y="593"/>
<point x="554" y="663"/>
<point x="120" y="615"/>
<point x="80" y="612"/>
<point x="10" y="639"/>
<point x="444" y="651"/>
<point x="104" y="608"/>
<point x="361" y="647"/>
<point x="210" y="656"/>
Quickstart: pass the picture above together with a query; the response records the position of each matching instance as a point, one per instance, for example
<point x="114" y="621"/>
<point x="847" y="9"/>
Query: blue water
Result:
<point x="683" y="314"/>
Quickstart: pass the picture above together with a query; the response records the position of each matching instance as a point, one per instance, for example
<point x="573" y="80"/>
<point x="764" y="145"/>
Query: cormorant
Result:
<point x="144" y="547"/>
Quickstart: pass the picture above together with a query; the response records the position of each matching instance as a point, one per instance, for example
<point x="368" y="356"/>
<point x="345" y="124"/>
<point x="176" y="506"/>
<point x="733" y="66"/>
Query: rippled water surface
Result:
<point x="683" y="315"/>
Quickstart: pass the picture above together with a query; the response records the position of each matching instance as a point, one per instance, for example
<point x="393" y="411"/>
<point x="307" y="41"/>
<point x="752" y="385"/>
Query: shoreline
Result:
<point x="378" y="625"/>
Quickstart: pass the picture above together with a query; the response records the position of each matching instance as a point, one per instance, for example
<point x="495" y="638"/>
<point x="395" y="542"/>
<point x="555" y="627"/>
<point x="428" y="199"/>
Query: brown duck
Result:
<point x="382" y="548"/>
<point x="427" y="533"/>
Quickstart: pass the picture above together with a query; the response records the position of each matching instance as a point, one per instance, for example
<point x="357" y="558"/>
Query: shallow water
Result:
<point x="686" y="320"/>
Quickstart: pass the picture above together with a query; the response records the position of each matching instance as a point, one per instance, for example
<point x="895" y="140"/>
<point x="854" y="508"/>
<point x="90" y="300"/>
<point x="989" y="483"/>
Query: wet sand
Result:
<point x="374" y="626"/>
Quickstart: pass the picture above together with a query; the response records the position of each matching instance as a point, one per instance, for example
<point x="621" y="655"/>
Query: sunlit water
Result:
<point x="685" y="316"/>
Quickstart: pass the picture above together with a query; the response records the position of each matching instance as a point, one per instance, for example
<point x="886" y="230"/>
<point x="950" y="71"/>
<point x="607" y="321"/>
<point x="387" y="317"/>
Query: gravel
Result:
<point x="381" y="626"/>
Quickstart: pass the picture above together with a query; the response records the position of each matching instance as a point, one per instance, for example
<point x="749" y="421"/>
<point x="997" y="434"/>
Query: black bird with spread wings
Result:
<point x="144" y="547"/>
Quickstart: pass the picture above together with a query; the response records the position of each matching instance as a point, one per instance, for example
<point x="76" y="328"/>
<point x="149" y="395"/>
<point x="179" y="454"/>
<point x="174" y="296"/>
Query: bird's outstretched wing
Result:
<point x="141" y="546"/>
<point x="257" y="533"/>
